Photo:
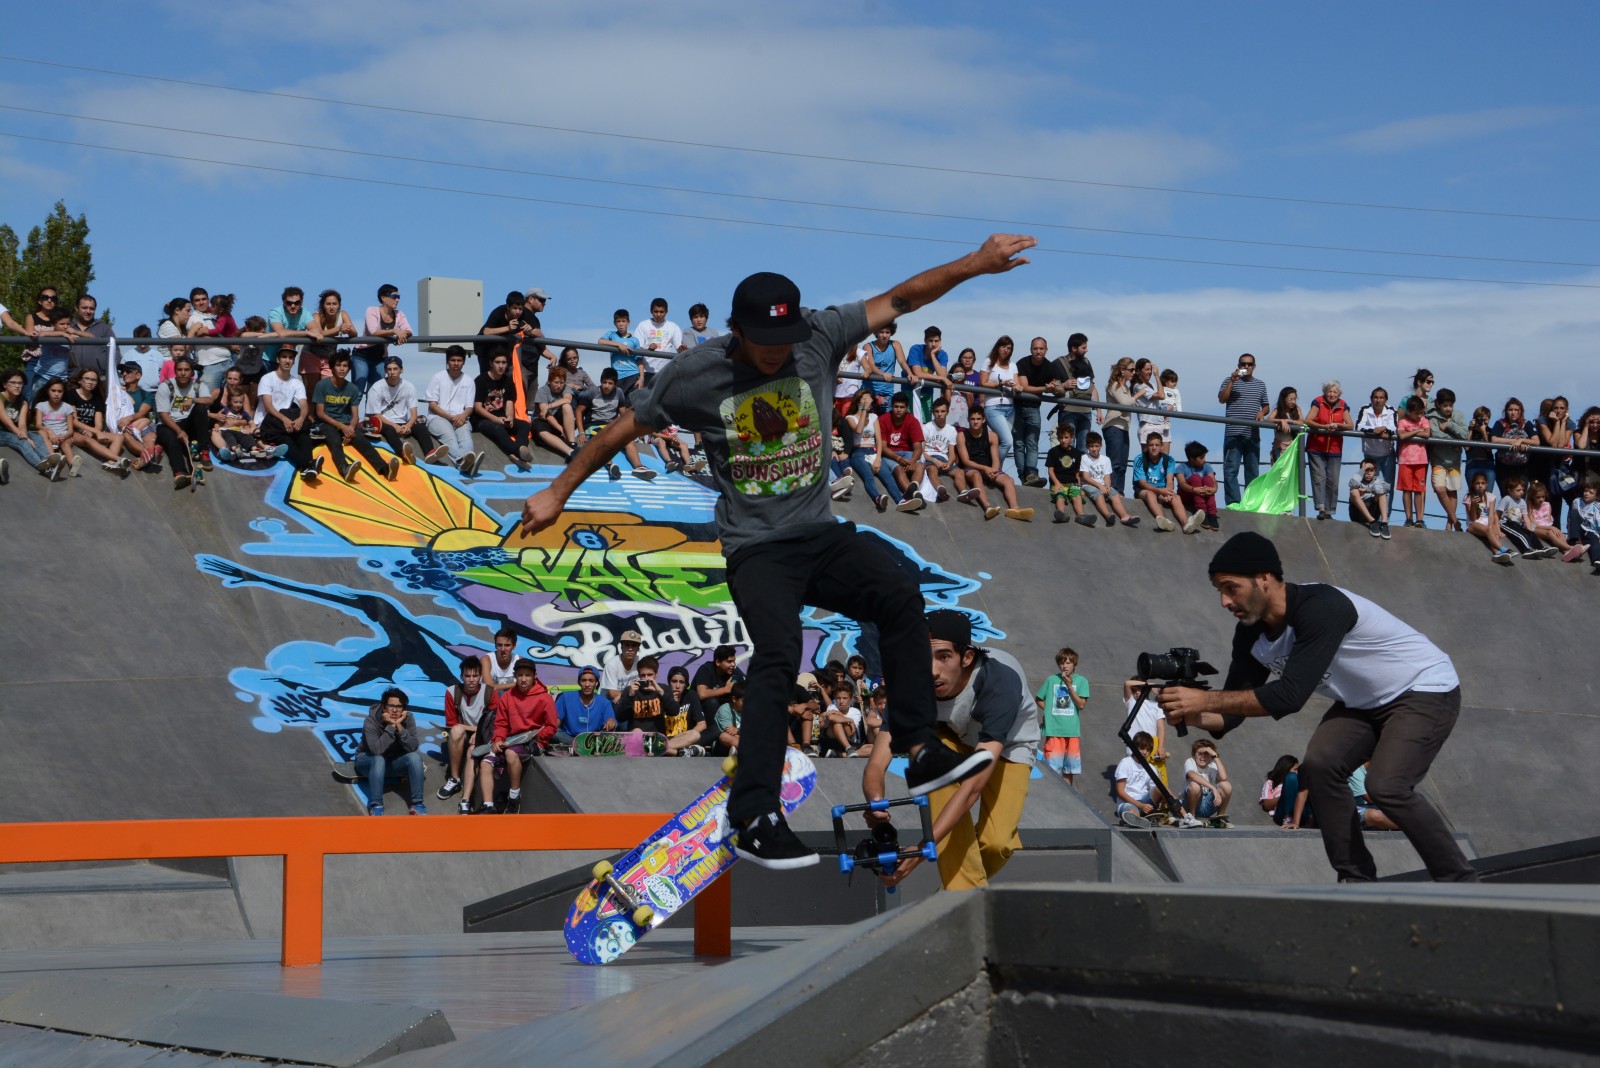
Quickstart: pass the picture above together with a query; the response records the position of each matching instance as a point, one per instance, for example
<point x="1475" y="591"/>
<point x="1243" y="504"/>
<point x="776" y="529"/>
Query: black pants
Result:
<point x="299" y="442"/>
<point x="197" y="424"/>
<point x="840" y="570"/>
<point x="419" y="434"/>
<point x="1521" y="538"/>
<point x="508" y="441"/>
<point x="335" y="442"/>
<point x="1401" y="739"/>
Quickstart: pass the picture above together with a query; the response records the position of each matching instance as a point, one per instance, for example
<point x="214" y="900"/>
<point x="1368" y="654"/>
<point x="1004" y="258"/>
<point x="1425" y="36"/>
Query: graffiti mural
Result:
<point x="428" y="567"/>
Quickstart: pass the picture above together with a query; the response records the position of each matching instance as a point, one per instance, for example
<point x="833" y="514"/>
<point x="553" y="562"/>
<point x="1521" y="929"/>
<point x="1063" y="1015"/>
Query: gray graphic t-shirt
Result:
<point x="766" y="436"/>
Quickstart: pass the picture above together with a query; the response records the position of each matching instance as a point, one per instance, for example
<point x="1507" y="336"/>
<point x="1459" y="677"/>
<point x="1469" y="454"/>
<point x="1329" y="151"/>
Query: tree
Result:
<point x="57" y="254"/>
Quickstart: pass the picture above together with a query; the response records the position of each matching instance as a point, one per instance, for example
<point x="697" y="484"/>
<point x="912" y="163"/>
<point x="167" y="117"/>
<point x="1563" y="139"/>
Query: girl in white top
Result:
<point x="845" y="389"/>
<point x="1146" y="387"/>
<point x="964" y="370"/>
<point x="999" y="374"/>
<point x="53" y="418"/>
<point x="1484" y="519"/>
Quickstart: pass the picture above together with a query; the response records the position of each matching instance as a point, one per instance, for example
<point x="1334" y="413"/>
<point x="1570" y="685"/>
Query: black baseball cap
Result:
<point x="128" y="367"/>
<point x="766" y="309"/>
<point x="946" y="624"/>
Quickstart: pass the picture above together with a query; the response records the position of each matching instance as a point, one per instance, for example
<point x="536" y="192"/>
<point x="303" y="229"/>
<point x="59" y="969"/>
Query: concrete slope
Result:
<point x="114" y="669"/>
<point x="209" y="653"/>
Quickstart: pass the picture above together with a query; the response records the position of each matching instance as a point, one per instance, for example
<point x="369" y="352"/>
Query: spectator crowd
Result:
<point x="914" y="427"/>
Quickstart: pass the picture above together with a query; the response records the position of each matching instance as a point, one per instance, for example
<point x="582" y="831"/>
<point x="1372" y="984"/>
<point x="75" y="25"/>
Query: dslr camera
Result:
<point x="1176" y="667"/>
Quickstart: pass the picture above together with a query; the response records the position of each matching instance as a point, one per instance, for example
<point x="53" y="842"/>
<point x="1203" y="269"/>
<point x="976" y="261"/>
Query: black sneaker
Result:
<point x="450" y="788"/>
<point x="769" y="842"/>
<point x="937" y="765"/>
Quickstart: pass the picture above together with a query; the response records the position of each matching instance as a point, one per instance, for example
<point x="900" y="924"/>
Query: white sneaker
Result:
<point x="1192" y="524"/>
<point x="1186" y="820"/>
<point x="1163" y="523"/>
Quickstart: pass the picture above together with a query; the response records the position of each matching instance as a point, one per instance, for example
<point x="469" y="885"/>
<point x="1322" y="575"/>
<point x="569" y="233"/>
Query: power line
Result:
<point x="1020" y="223"/>
<point x="776" y="225"/>
<point x="796" y="155"/>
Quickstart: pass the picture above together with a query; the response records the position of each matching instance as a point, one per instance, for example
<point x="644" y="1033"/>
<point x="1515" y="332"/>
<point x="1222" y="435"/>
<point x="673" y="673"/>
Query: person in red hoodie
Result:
<point x="526" y="707"/>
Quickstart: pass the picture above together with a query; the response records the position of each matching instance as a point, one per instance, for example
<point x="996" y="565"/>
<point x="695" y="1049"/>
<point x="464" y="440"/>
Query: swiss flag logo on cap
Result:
<point x="779" y="311"/>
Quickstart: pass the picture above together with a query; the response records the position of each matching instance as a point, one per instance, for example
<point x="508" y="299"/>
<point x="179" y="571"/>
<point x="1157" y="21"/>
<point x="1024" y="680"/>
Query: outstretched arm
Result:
<point x="543" y="508"/>
<point x="1001" y="253"/>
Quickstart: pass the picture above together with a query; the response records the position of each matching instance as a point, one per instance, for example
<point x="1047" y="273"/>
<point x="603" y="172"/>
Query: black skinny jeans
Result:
<point x="419" y="434"/>
<point x="197" y="424"/>
<point x="299" y="442"/>
<point x="334" y="440"/>
<point x="508" y="441"/>
<point x="840" y="570"/>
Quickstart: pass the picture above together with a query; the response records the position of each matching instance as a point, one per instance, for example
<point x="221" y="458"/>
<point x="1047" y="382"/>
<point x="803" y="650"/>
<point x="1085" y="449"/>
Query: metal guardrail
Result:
<point x="303" y="842"/>
<point x="593" y="346"/>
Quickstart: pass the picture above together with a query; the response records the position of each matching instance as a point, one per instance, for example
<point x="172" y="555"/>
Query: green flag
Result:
<point x="1275" y="491"/>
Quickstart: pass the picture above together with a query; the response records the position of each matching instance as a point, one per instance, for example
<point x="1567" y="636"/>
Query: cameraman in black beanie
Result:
<point x="1395" y="700"/>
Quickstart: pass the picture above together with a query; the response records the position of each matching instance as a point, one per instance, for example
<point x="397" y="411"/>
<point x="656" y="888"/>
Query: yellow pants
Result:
<point x="973" y="852"/>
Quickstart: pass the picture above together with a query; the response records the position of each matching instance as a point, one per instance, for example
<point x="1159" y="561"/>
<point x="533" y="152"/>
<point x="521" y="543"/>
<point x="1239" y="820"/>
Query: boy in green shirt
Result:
<point x="336" y="401"/>
<point x="1062" y="698"/>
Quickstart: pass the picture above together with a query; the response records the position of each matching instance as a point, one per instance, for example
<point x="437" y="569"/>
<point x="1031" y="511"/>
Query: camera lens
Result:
<point x="1158" y="666"/>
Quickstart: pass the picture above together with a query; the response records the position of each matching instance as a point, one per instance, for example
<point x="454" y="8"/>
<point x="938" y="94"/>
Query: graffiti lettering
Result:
<point x="597" y="642"/>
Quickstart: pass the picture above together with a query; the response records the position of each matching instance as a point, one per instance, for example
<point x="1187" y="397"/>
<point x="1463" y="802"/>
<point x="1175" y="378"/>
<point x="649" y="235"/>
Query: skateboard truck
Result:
<point x="882" y="852"/>
<point x="640" y="914"/>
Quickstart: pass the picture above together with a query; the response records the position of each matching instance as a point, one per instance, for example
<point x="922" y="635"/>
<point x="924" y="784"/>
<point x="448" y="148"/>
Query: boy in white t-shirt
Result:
<point x="939" y="454"/>
<point x="1149" y="721"/>
<point x="1206" y="787"/>
<point x="1137" y="796"/>
<point x="1094" y="475"/>
<point x="841" y="723"/>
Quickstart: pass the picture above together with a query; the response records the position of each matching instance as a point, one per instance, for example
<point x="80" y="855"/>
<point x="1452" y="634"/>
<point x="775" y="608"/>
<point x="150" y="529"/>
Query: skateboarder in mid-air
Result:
<point x="760" y="397"/>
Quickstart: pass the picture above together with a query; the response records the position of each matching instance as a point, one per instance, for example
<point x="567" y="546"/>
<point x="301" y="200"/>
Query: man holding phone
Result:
<point x="1245" y="396"/>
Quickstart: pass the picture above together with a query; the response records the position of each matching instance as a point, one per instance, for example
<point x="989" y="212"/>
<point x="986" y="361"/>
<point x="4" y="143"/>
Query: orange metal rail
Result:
<point x="303" y="842"/>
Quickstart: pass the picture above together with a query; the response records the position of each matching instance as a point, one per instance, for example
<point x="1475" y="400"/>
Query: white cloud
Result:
<point x="952" y="97"/>
<point x="1432" y="131"/>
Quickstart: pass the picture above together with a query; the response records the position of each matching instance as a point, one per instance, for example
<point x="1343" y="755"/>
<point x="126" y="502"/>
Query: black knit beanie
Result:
<point x="1247" y="553"/>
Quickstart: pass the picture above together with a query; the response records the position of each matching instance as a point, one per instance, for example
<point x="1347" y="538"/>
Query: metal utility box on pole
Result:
<point x="447" y="306"/>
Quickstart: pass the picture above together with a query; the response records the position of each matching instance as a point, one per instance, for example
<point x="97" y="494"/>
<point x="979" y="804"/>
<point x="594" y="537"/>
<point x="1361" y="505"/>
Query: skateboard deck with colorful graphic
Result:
<point x="618" y="743"/>
<point x="642" y="889"/>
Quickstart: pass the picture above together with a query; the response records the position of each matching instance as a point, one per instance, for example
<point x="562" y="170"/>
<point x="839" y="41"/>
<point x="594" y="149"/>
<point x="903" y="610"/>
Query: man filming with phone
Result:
<point x="1395" y="695"/>
<point x="1246" y="398"/>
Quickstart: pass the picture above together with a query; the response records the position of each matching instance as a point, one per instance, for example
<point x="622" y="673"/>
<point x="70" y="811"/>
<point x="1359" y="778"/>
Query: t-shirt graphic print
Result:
<point x="775" y="441"/>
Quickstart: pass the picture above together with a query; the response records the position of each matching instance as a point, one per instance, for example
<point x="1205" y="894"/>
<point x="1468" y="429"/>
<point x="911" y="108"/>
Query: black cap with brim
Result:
<point x="766" y="309"/>
<point x="948" y="625"/>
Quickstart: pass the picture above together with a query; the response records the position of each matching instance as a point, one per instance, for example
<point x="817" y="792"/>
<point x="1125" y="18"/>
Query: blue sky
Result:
<point x="1466" y="107"/>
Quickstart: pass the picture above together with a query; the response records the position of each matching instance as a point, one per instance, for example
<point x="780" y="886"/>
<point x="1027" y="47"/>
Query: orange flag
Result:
<point x="521" y="409"/>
